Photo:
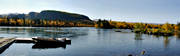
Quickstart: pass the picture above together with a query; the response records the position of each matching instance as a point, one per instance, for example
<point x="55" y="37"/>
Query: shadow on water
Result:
<point x="47" y="45"/>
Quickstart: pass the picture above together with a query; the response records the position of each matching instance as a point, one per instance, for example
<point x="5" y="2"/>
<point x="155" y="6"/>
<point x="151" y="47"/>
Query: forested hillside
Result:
<point x="45" y="18"/>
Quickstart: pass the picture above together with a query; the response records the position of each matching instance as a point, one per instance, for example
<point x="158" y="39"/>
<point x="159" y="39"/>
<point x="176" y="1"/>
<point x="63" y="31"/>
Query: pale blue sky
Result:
<point x="157" y="11"/>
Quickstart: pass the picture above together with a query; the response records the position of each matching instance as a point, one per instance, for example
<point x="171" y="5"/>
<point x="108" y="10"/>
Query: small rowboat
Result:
<point x="49" y="40"/>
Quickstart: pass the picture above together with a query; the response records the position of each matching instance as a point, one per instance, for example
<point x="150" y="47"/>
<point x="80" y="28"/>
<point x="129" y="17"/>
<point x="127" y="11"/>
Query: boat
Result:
<point x="49" y="40"/>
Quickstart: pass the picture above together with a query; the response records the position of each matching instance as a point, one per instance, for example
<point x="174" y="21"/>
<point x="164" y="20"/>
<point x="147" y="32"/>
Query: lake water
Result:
<point x="89" y="41"/>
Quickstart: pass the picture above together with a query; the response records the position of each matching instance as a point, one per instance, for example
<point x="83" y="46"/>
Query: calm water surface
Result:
<point x="89" y="41"/>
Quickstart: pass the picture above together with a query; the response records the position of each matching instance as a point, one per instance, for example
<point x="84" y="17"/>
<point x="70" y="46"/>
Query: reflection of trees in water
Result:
<point x="58" y="33"/>
<point x="157" y="36"/>
<point x="138" y="36"/>
<point x="138" y="39"/>
<point x="45" y="32"/>
<point x="105" y="34"/>
<point x="12" y="30"/>
<point x="98" y="31"/>
<point x="177" y="35"/>
<point x="47" y="46"/>
<point x="166" y="41"/>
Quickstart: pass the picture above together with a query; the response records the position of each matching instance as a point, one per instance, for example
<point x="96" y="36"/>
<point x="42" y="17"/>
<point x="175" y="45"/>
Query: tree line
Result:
<point x="157" y="29"/>
<point x="42" y="23"/>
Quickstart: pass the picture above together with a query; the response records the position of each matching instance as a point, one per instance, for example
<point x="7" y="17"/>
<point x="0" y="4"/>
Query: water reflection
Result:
<point x="138" y="40"/>
<point x="177" y="35"/>
<point x="138" y="36"/>
<point x="95" y="42"/>
<point x="157" y="36"/>
<point x="42" y="32"/>
<point x="166" y="41"/>
<point x="47" y="46"/>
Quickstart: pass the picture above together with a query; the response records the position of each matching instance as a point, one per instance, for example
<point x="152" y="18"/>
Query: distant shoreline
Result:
<point x="37" y="26"/>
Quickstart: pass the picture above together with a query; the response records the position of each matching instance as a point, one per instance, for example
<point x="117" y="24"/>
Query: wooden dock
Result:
<point x="38" y="42"/>
<point x="24" y="40"/>
<point x="5" y="43"/>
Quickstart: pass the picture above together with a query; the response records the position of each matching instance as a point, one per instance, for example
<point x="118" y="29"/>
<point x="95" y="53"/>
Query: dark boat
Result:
<point x="49" y="40"/>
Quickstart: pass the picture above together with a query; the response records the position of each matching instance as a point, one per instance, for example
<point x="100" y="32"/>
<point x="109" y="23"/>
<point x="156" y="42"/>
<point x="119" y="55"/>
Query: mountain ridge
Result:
<point x="49" y="15"/>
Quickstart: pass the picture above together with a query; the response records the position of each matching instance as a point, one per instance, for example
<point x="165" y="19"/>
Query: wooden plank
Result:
<point x="24" y="40"/>
<point x="5" y="43"/>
